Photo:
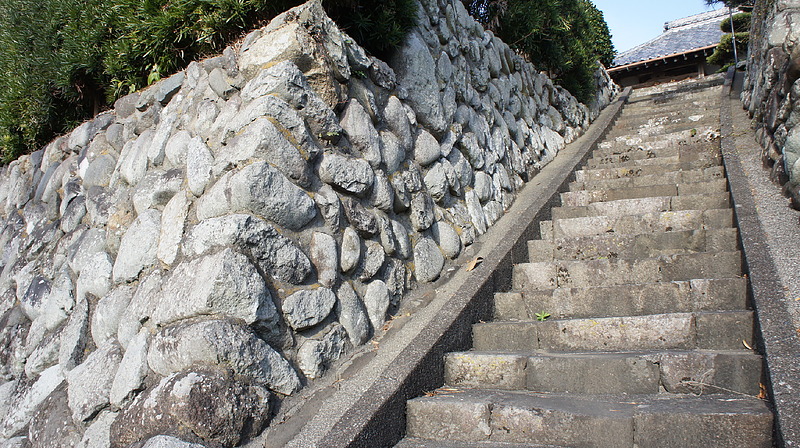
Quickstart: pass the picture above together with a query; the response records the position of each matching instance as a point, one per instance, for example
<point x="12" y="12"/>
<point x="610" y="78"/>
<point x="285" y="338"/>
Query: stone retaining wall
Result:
<point x="771" y="91"/>
<point x="178" y="264"/>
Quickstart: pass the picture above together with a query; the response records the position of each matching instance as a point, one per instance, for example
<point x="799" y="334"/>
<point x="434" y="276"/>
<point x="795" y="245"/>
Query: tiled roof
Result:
<point x="679" y="36"/>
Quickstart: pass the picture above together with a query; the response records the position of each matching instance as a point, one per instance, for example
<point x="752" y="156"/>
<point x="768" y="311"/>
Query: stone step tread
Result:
<point x="414" y="442"/>
<point x="704" y="129"/>
<point x="717" y="330"/>
<point x="700" y="133"/>
<point x="644" y="245"/>
<point x="585" y="197"/>
<point x="655" y="145"/>
<point x="624" y="300"/>
<point x="617" y="208"/>
<point x="614" y="421"/>
<point x="674" y="177"/>
<point x="597" y="174"/>
<point x="711" y="158"/>
<point x="633" y="120"/>
<point x="608" y="272"/>
<point x="629" y="372"/>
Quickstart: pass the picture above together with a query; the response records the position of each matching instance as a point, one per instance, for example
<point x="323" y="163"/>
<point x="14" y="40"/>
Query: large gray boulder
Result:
<point x="325" y="256"/>
<point x="307" y="308"/>
<point x="133" y="369"/>
<point x="263" y="190"/>
<point x="221" y="283"/>
<point x="138" y="247"/>
<point x="361" y="133"/>
<point x="275" y="254"/>
<point x="262" y="139"/>
<point x="90" y="382"/>
<point x="350" y="174"/>
<point x="25" y="402"/>
<point x="206" y="404"/>
<point x="352" y="314"/>
<point x="416" y="72"/>
<point x="316" y="355"/>
<point x="428" y="260"/>
<point x="223" y="342"/>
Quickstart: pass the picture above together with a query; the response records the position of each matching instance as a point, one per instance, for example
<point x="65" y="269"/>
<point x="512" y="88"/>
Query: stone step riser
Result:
<point x="706" y="108"/>
<point x="638" y="206"/>
<point x="610" y="246"/>
<point x="584" y="221"/>
<point x="646" y="129"/>
<point x="677" y="372"/>
<point x="592" y="175"/>
<point x="694" y="132"/>
<point x="726" y="330"/>
<point x="614" y="421"/>
<point x="696" y="163"/>
<point x="575" y="274"/>
<point x="586" y="197"/>
<point x="705" y="159"/>
<point x="414" y="442"/>
<point x="657" y="149"/>
<point x="674" y="177"/>
<point x="624" y="300"/>
<point x="634" y="119"/>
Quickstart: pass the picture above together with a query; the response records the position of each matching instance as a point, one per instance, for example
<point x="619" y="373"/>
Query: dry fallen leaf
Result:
<point x="746" y="344"/>
<point x="763" y="391"/>
<point x="474" y="263"/>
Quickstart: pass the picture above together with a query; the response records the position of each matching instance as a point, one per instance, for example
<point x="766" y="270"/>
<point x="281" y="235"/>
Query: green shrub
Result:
<point x="564" y="37"/>
<point x="723" y="54"/>
<point x="65" y="60"/>
<point x="51" y="69"/>
<point x="379" y="29"/>
<point x="741" y="22"/>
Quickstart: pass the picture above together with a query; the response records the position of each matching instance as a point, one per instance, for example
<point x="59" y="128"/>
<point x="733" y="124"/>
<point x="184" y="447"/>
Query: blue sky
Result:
<point x="634" y="22"/>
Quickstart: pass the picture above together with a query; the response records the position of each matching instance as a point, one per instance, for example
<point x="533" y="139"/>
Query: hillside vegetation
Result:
<point x="564" y="37"/>
<point x="64" y="61"/>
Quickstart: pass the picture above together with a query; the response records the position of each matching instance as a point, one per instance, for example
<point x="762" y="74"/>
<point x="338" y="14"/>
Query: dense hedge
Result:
<point x="564" y="37"/>
<point x="723" y="53"/>
<point x="65" y="60"/>
<point x="741" y="22"/>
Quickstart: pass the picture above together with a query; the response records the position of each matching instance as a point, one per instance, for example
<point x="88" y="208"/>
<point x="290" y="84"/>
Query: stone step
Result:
<point x="663" y="125"/>
<point x="686" y="296"/>
<point x="609" y="272"/>
<point x="647" y="204"/>
<point x="707" y="330"/>
<point x="672" y="114"/>
<point x="673" y="177"/>
<point x="644" y="245"/>
<point x="586" y="197"/>
<point x="598" y="174"/>
<point x="692" y="159"/>
<point x="683" y="135"/>
<point x="614" y="421"/>
<point x="684" y="101"/>
<point x="649" y="372"/>
<point x="415" y="442"/>
<point x="569" y="223"/>
<point x="658" y="148"/>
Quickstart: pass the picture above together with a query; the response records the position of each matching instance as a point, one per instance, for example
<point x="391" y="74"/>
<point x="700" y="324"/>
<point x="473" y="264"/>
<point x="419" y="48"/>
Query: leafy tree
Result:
<point x="51" y="69"/>
<point x="564" y="37"/>
<point x="65" y="60"/>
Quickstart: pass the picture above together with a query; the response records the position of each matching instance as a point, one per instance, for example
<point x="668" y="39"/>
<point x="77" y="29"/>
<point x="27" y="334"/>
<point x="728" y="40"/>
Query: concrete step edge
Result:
<point x="725" y="330"/>
<point x="599" y="421"/>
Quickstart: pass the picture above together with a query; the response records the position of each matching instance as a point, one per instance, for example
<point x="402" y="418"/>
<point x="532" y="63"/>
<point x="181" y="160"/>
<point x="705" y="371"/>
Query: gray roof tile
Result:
<point x="679" y="36"/>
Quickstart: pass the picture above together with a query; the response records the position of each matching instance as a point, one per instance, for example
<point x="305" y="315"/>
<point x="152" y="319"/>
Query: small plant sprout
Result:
<point x="542" y="316"/>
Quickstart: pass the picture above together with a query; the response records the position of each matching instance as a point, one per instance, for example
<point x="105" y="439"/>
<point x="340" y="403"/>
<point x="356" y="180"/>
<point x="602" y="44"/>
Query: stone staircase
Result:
<point x="629" y="326"/>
